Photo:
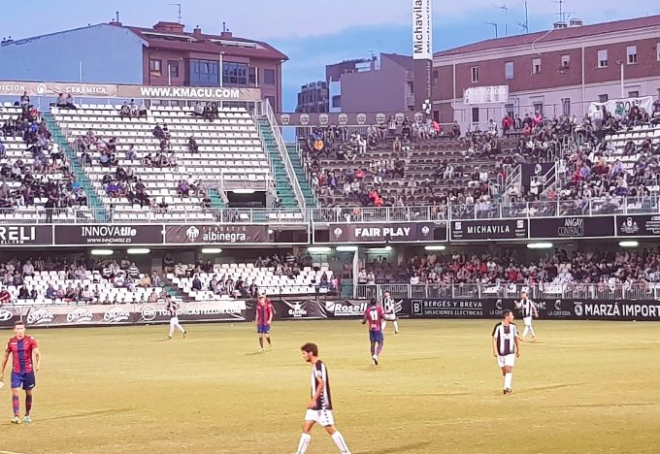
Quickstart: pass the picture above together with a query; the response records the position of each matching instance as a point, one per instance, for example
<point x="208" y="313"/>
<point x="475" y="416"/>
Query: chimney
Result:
<point x="559" y="25"/>
<point x="168" y="27"/>
<point x="576" y="23"/>
<point x="197" y="32"/>
<point x="226" y="34"/>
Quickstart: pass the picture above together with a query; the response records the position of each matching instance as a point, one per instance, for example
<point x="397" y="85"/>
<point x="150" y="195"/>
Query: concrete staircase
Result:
<point x="292" y="151"/>
<point x="282" y="184"/>
<point x="217" y="201"/>
<point x="93" y="200"/>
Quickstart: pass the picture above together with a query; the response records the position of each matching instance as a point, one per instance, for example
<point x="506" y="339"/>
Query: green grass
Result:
<point x="585" y="387"/>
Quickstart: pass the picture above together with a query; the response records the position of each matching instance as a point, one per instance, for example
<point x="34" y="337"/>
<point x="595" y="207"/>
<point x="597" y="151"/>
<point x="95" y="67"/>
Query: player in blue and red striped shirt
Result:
<point x="374" y="316"/>
<point x="264" y="318"/>
<point x="22" y="348"/>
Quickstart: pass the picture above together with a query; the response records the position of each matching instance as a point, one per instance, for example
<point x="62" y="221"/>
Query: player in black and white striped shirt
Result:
<point x="319" y="409"/>
<point x="173" y="310"/>
<point x="389" y="308"/>
<point x="506" y="347"/>
<point x="528" y="311"/>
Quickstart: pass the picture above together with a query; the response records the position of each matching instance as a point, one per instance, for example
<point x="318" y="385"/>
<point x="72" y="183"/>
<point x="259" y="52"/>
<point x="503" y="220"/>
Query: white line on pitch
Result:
<point x="10" y="452"/>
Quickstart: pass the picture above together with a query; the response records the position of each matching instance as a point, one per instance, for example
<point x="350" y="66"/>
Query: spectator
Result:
<point x="5" y="296"/>
<point x="125" y="111"/>
<point x="69" y="103"/>
<point x="24" y="293"/>
<point x="142" y="111"/>
<point x="192" y="145"/>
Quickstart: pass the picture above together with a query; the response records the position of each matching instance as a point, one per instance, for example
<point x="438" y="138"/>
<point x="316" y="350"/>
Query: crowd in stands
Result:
<point x="603" y="269"/>
<point x="47" y="177"/>
<point x="124" y="182"/>
<point x="237" y="286"/>
<point x="118" y="274"/>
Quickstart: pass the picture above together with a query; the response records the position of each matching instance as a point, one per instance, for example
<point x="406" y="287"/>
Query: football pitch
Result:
<point x="585" y="387"/>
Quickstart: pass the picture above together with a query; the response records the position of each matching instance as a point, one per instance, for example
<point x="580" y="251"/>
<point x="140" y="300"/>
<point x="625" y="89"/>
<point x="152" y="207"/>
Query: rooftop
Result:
<point x="172" y="35"/>
<point x="555" y="35"/>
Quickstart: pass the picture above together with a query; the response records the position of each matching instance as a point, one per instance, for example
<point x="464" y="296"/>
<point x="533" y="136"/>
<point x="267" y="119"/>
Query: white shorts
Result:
<point x="174" y="321"/>
<point x="322" y="417"/>
<point x="506" y="361"/>
<point x="389" y="317"/>
<point x="527" y="321"/>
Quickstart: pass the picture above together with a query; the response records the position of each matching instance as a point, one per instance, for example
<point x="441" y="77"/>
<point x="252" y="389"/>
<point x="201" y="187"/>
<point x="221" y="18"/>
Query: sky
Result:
<point x="314" y="33"/>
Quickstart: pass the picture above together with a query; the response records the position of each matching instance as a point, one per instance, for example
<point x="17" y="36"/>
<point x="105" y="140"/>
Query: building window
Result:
<point x="508" y="108"/>
<point x="566" y="107"/>
<point x="475" y="74"/>
<point x="536" y="66"/>
<point x="475" y="115"/>
<point x="235" y="74"/>
<point x="336" y="102"/>
<point x="269" y="77"/>
<point x="602" y="58"/>
<point x="271" y="101"/>
<point x="658" y="50"/>
<point x="204" y="73"/>
<point x="538" y="107"/>
<point x="173" y="67"/>
<point x="155" y="67"/>
<point x="565" y="61"/>
<point x="252" y="76"/>
<point x="632" y="55"/>
<point x="603" y="98"/>
<point x="508" y="70"/>
<point x="436" y="77"/>
<point x="633" y="94"/>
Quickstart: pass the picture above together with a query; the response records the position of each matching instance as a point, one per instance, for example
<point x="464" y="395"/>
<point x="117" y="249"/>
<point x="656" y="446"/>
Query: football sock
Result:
<point x="379" y="349"/>
<point x="261" y="342"/>
<point x="28" y="405"/>
<point x="396" y="326"/>
<point x="341" y="444"/>
<point x="526" y="331"/>
<point x="531" y="330"/>
<point x="16" y="404"/>
<point x="181" y="328"/>
<point x="304" y="443"/>
<point x="508" y="378"/>
<point x="373" y="348"/>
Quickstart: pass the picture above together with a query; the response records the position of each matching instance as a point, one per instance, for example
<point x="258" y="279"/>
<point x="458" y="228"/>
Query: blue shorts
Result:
<point x="376" y="336"/>
<point x="26" y="380"/>
<point x="263" y="329"/>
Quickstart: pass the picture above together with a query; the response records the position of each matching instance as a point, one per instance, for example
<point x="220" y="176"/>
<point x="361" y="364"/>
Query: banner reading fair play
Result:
<point x="422" y="35"/>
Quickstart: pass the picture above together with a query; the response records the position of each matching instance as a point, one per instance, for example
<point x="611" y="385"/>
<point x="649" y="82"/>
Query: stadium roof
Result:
<point x="171" y="35"/>
<point x="555" y="35"/>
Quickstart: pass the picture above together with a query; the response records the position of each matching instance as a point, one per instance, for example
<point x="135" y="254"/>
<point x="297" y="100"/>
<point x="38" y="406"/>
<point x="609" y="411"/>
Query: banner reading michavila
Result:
<point x="422" y="35"/>
<point x="382" y="233"/>
<point x="216" y="234"/>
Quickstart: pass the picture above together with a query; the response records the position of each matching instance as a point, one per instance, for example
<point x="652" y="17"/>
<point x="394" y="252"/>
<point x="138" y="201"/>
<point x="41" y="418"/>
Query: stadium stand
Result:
<point x="402" y="167"/>
<point x="37" y="183"/>
<point x="167" y="164"/>
<point x="106" y="283"/>
<point x="241" y="280"/>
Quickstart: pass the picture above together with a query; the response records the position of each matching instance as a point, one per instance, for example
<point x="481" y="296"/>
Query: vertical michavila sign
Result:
<point x="422" y="28"/>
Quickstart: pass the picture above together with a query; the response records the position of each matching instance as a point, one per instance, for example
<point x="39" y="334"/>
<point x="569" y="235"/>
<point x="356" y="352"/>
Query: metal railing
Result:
<point x="537" y="291"/>
<point x="40" y="215"/>
<point x="281" y="147"/>
<point x="339" y="215"/>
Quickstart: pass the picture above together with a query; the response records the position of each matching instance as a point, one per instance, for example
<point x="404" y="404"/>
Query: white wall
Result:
<point x="552" y="101"/>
